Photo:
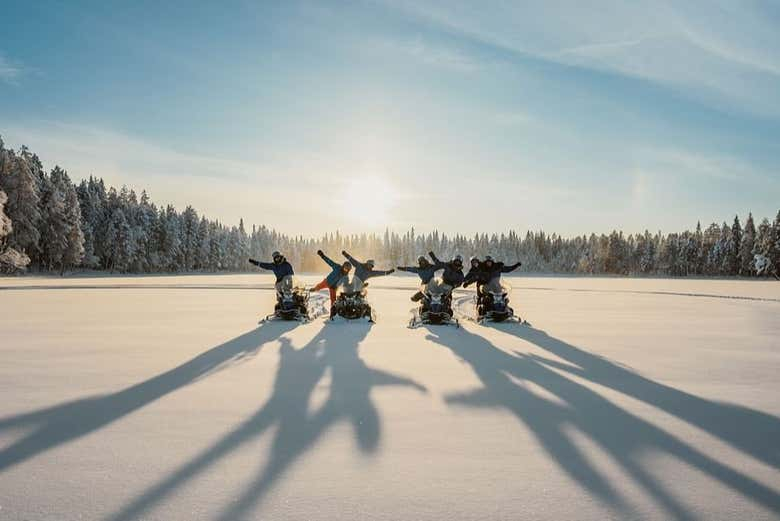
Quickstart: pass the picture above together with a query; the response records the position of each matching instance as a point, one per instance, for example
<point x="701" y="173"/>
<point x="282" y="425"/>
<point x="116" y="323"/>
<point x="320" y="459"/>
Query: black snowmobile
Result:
<point x="493" y="302"/>
<point x="435" y="306"/>
<point x="351" y="300"/>
<point x="292" y="301"/>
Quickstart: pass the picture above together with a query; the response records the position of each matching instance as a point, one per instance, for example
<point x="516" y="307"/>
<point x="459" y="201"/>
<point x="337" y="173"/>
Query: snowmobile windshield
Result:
<point x="497" y="286"/>
<point x="350" y="285"/>
<point x="288" y="284"/>
<point x="436" y="286"/>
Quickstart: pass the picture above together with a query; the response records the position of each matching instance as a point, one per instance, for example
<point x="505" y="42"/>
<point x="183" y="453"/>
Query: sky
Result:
<point x="308" y="117"/>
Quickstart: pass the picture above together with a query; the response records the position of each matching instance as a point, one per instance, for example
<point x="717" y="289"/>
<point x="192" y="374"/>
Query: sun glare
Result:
<point x="369" y="200"/>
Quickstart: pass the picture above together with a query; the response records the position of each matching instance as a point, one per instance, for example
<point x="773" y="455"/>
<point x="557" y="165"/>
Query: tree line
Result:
<point x="50" y="224"/>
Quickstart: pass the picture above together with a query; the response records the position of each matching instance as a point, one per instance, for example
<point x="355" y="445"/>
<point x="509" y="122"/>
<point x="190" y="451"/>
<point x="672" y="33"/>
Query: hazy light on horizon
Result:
<point x="461" y="117"/>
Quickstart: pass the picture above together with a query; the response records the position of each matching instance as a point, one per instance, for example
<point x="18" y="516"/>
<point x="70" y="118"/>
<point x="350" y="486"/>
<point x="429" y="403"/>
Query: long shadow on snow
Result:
<point x="626" y="438"/>
<point x="62" y="423"/>
<point x="753" y="432"/>
<point x="335" y="348"/>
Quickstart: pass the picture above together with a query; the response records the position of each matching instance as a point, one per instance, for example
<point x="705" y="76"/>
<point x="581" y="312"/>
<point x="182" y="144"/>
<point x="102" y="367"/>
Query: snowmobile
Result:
<point x="292" y="301"/>
<point x="493" y="302"/>
<point x="435" y="306"/>
<point x="351" y="300"/>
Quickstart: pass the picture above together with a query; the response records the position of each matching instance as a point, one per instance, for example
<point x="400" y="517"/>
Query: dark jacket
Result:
<point x="334" y="276"/>
<point x="452" y="275"/>
<point x="426" y="274"/>
<point x="362" y="271"/>
<point x="482" y="275"/>
<point x="281" y="270"/>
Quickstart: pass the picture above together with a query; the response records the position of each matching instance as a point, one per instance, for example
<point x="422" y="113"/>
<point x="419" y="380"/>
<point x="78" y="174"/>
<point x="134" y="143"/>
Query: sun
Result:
<point x="369" y="200"/>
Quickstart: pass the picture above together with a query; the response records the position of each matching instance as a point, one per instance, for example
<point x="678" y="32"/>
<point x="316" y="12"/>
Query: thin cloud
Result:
<point x="10" y="72"/>
<point x="706" y="49"/>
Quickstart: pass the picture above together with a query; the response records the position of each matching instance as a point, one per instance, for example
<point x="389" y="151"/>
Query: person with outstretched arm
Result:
<point x="486" y="271"/>
<point x="424" y="269"/>
<point x="495" y="269"/>
<point x="279" y="266"/>
<point x="337" y="272"/>
<point x="365" y="270"/>
<point x="453" y="270"/>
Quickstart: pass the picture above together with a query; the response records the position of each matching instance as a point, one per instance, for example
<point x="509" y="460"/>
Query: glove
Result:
<point x="391" y="270"/>
<point x="252" y="261"/>
<point x="430" y="254"/>
<point x="344" y="252"/>
<point x="319" y="252"/>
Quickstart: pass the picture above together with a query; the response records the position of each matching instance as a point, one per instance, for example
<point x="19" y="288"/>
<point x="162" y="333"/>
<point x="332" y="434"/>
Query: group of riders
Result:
<point x="347" y="288"/>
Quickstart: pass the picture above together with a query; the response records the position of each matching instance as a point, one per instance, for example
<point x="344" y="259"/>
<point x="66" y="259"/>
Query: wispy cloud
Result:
<point x="437" y="55"/>
<point x="10" y="72"/>
<point x="86" y="150"/>
<point x="722" y="52"/>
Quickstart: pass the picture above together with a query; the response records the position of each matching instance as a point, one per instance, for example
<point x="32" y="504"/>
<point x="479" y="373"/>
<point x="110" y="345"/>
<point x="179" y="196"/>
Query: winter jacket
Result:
<point x="426" y="274"/>
<point x="334" y="276"/>
<point x="362" y="271"/>
<point x="452" y="275"/>
<point x="482" y="275"/>
<point x="281" y="270"/>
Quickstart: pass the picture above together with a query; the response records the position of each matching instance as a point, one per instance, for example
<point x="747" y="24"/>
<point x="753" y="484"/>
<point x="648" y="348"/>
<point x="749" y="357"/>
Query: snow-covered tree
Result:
<point x="746" y="247"/>
<point x="10" y="259"/>
<point x="22" y="207"/>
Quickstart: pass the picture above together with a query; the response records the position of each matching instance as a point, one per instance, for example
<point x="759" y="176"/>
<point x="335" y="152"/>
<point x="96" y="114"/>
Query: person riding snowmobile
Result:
<point x="333" y="278"/>
<point x="365" y="270"/>
<point x="486" y="271"/>
<point x="424" y="269"/>
<point x="279" y="266"/>
<point x="495" y="269"/>
<point x="475" y="271"/>
<point x="453" y="270"/>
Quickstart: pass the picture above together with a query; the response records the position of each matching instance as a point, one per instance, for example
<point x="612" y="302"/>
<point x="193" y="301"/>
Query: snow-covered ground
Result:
<point x="161" y="398"/>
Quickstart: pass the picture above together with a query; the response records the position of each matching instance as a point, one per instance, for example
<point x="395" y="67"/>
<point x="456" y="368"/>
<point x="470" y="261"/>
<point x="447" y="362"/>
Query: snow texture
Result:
<point x="161" y="398"/>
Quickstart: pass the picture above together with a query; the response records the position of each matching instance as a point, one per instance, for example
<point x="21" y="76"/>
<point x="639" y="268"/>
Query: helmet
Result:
<point x="346" y="266"/>
<point x="422" y="261"/>
<point x="457" y="260"/>
<point x="277" y="257"/>
<point x="370" y="263"/>
<point x="474" y="260"/>
<point x="489" y="259"/>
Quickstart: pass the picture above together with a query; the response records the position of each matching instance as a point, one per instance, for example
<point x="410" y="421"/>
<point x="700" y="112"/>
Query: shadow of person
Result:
<point x="510" y="381"/>
<point x="334" y="348"/>
<point x="753" y="432"/>
<point x="62" y="423"/>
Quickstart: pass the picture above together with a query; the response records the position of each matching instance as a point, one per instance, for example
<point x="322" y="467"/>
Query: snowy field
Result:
<point x="161" y="398"/>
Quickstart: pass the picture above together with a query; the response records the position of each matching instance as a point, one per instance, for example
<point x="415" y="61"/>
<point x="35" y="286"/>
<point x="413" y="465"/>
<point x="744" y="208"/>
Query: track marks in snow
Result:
<point x="469" y="295"/>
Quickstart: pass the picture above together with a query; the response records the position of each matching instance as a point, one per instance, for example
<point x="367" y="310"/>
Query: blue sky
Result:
<point x="462" y="116"/>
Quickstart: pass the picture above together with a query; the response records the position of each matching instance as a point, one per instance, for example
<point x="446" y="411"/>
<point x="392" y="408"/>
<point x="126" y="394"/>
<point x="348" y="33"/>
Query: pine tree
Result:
<point x="746" y="247"/>
<point x="19" y="184"/>
<point x="10" y="259"/>
<point x="74" y="251"/>
<point x="774" y="246"/>
<point x="733" y="248"/>
<point x="54" y="228"/>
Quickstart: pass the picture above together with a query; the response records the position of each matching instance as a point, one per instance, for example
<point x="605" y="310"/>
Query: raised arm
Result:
<point x="264" y="265"/>
<point x="410" y="269"/>
<point x="436" y="262"/>
<point x="333" y="264"/>
<point x="513" y="267"/>
<point x="383" y="272"/>
<point x="351" y="259"/>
